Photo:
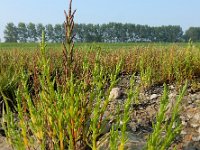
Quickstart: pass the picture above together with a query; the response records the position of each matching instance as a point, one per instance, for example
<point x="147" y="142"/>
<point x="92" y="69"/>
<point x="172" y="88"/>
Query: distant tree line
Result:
<point x="111" y="33"/>
<point x="32" y="32"/>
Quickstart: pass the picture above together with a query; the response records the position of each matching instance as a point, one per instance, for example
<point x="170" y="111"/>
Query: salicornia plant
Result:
<point x="126" y="116"/>
<point x="59" y="107"/>
<point x="68" y="45"/>
<point x="171" y="128"/>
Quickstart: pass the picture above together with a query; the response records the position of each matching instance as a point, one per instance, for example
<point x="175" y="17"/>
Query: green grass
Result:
<point x="57" y="46"/>
<point x="36" y="84"/>
<point x="69" y="87"/>
<point x="156" y="63"/>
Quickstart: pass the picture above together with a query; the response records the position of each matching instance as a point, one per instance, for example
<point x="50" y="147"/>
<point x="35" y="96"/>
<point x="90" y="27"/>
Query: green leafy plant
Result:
<point x="171" y="129"/>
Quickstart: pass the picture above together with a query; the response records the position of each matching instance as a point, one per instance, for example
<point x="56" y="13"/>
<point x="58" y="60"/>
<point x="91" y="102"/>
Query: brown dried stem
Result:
<point x="68" y="46"/>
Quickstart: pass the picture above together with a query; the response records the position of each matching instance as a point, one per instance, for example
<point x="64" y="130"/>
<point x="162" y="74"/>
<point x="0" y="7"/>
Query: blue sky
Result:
<point x="149" y="12"/>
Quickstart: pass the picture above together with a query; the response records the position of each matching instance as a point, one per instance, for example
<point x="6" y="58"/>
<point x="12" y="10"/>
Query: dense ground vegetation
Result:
<point x="55" y="97"/>
<point x="24" y="68"/>
<point x="156" y="63"/>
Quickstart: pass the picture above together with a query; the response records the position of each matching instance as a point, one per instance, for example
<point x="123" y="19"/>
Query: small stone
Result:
<point x="115" y="93"/>
<point x="133" y="126"/>
<point x="194" y="125"/>
<point x="196" y="139"/>
<point x="184" y="123"/>
<point x="171" y="87"/>
<point x="189" y="116"/>
<point x="198" y="130"/>
<point x="4" y="144"/>
<point x="190" y="101"/>
<point x="197" y="117"/>
<point x="193" y="97"/>
<point x="171" y="95"/>
<point x="153" y="96"/>
<point x="183" y="132"/>
<point x="182" y="117"/>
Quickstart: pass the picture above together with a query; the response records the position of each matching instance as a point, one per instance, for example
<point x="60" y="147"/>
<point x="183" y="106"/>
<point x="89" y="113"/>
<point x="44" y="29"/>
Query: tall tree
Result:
<point x="32" y="33"/>
<point x="49" y="33"/>
<point x="78" y="32"/>
<point x="58" y="33"/>
<point x="10" y="33"/>
<point x="89" y="33"/>
<point x="22" y="32"/>
<point x="99" y="33"/>
<point x="193" y="33"/>
<point x="39" y="28"/>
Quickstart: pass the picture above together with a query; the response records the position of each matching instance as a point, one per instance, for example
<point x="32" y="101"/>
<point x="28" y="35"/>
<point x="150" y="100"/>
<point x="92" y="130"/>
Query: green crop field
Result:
<point x="94" y="96"/>
<point x="27" y="72"/>
<point x="58" y="46"/>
